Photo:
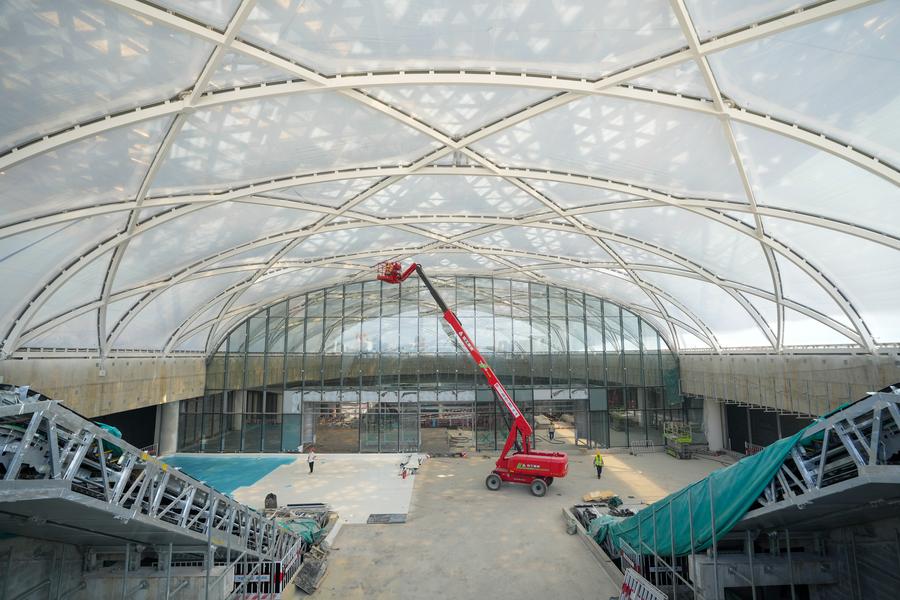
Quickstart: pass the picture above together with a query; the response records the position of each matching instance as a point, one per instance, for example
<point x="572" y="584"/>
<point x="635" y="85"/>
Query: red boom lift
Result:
<point x="536" y="469"/>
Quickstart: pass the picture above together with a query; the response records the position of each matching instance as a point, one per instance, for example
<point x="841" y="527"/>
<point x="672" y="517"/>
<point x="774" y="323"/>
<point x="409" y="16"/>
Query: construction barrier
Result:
<point x="636" y="587"/>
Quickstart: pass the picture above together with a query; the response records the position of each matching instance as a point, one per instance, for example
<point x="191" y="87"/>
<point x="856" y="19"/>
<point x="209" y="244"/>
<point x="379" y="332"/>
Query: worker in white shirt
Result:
<point x="311" y="459"/>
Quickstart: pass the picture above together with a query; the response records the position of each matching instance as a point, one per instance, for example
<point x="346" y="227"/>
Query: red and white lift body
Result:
<point x="533" y="468"/>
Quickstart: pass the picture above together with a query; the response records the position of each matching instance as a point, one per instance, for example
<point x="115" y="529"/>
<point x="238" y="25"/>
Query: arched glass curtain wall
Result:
<point x="370" y="367"/>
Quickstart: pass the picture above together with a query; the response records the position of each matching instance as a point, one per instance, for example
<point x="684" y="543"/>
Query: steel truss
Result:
<point x="845" y="470"/>
<point x="854" y="444"/>
<point x="51" y="457"/>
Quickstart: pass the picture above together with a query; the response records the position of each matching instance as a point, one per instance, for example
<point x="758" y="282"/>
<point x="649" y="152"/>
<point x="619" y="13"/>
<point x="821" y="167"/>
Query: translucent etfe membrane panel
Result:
<point x="30" y="260"/>
<point x="459" y="109"/>
<point x="800" y="287"/>
<point x="168" y="247"/>
<point x="677" y="314"/>
<point x="766" y="308"/>
<point x="284" y="284"/>
<point x="448" y="229"/>
<point x="838" y="76"/>
<point x="196" y="342"/>
<point x="77" y="332"/>
<point x="330" y="193"/>
<point x="237" y="70"/>
<point x="145" y="214"/>
<point x="719" y="311"/>
<point x="210" y="313"/>
<point x="544" y="242"/>
<point x="64" y="63"/>
<point x="689" y="341"/>
<point x="524" y="261"/>
<point x="866" y="272"/>
<point x="800" y="330"/>
<point x="570" y="195"/>
<point x="579" y="39"/>
<point x="789" y="174"/>
<point x="354" y="240"/>
<point x="451" y="195"/>
<point x="241" y="142"/>
<point x="255" y="256"/>
<point x="82" y="288"/>
<point x="669" y="149"/>
<point x="101" y="169"/>
<point x="713" y="17"/>
<point x="212" y="12"/>
<point x="636" y="256"/>
<point x="684" y="78"/>
<point x="717" y="247"/>
<point x="117" y="309"/>
<point x="602" y="283"/>
<point x="151" y="328"/>
<point x="455" y="262"/>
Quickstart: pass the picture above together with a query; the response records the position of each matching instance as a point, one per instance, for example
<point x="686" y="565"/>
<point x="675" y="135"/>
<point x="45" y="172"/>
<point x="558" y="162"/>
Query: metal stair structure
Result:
<point x="66" y="479"/>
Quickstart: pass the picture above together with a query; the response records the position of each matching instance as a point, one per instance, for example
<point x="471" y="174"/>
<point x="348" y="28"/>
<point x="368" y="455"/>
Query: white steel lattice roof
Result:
<point x="726" y="169"/>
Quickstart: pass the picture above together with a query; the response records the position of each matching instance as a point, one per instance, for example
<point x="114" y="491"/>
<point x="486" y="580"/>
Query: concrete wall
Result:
<point x="27" y="563"/>
<point x="128" y="383"/>
<point x="713" y="424"/>
<point x="867" y="558"/>
<point x="802" y="384"/>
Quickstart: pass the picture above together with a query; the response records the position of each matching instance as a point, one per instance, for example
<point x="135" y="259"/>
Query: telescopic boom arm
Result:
<point x="393" y="273"/>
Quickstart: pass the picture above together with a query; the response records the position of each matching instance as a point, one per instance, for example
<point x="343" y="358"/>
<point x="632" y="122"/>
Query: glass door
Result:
<point x="389" y="410"/>
<point x="409" y="421"/>
<point x="368" y="422"/>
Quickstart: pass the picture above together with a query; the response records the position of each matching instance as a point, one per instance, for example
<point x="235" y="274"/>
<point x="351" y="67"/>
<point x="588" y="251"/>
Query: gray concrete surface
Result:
<point x="811" y="384"/>
<point x="355" y="485"/>
<point x="463" y="541"/>
<point x="128" y="383"/>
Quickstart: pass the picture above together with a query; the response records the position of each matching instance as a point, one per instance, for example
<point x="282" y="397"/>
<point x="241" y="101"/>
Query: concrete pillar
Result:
<point x="168" y="428"/>
<point x="712" y="423"/>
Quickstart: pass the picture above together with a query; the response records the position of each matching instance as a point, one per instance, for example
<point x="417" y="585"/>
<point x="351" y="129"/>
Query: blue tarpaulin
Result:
<point x="227" y="473"/>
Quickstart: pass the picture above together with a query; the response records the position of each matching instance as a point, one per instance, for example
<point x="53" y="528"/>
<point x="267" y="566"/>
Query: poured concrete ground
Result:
<point x="355" y="485"/>
<point x="463" y="541"/>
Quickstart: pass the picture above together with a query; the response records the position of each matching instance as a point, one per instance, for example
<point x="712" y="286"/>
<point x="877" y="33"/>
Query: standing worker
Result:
<point x="552" y="431"/>
<point x="598" y="462"/>
<point x="311" y="459"/>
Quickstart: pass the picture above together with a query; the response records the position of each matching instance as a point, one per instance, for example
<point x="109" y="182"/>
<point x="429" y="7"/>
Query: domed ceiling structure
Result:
<point x="725" y="169"/>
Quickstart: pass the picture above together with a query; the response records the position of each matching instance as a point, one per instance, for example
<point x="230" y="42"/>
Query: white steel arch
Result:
<point x="465" y="162"/>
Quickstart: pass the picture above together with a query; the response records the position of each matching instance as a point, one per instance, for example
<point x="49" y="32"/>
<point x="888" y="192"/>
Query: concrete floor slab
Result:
<point x="463" y="541"/>
<point x="460" y="539"/>
<point x="355" y="485"/>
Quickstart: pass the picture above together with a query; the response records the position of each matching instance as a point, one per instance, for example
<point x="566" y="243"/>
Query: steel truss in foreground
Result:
<point x="66" y="479"/>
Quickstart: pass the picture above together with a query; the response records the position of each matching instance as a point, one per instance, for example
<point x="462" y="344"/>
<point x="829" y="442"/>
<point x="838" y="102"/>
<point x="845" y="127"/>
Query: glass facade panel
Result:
<point x="373" y="368"/>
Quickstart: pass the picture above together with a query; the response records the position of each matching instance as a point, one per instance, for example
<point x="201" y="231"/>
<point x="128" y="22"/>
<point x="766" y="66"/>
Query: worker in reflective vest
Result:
<point x="598" y="462"/>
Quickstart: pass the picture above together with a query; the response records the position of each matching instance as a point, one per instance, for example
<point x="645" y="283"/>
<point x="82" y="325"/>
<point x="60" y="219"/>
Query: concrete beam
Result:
<point x="128" y="383"/>
<point x="802" y="384"/>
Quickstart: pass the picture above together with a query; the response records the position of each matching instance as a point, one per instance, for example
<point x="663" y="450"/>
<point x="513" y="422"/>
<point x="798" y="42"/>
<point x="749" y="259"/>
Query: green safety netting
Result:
<point x="308" y="529"/>
<point x="733" y="490"/>
<point x="672" y="387"/>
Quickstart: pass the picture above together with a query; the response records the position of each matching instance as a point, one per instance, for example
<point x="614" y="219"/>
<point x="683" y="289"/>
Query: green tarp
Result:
<point x="672" y="387"/>
<point x="115" y="450"/>
<point x="308" y="529"/>
<point x="733" y="489"/>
